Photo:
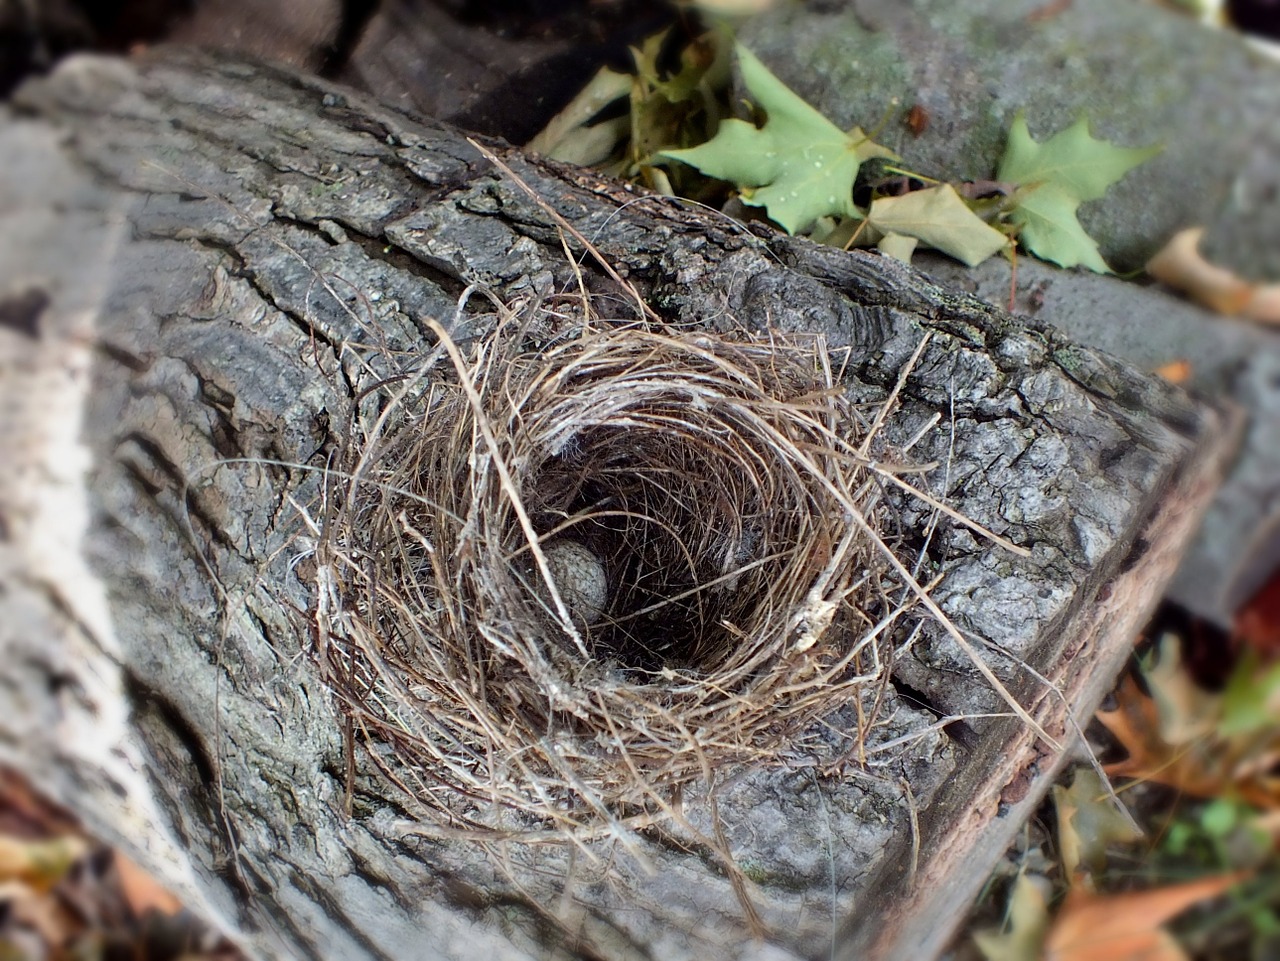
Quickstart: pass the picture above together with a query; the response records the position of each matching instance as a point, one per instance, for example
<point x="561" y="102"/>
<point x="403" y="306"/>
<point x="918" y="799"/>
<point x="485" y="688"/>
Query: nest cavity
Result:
<point x="571" y="578"/>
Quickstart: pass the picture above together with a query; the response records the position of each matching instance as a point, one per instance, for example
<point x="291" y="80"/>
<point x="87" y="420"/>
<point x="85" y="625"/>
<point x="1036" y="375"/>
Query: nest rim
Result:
<point x="495" y="703"/>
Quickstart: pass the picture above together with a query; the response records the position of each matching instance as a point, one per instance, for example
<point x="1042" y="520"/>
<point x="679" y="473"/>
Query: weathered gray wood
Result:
<point x="216" y="241"/>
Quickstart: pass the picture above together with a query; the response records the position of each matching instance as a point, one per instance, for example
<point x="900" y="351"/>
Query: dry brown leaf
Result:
<point x="1208" y="766"/>
<point x="1265" y="305"/>
<point x="1135" y="723"/>
<point x="1181" y="265"/>
<point x="142" y="892"/>
<point x="1186" y="712"/>
<point x="1126" y="927"/>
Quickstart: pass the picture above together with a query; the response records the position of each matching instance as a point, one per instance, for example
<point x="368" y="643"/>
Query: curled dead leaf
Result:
<point x="1181" y="265"/>
<point x="1021" y="936"/>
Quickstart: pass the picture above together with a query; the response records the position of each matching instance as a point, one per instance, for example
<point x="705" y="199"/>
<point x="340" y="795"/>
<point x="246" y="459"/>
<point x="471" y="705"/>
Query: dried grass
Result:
<point x="572" y="573"/>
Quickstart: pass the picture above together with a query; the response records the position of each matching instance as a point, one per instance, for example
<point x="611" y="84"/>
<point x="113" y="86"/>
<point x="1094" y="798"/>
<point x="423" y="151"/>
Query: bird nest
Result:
<point x="569" y="576"/>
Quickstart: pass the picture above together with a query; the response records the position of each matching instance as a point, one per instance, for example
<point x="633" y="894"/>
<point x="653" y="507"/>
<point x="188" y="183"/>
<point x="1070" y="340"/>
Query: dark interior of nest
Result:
<point x="673" y="523"/>
<point x="657" y="490"/>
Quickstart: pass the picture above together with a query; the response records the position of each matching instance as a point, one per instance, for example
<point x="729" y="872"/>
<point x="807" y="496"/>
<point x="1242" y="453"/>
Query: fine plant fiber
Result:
<point x="575" y="567"/>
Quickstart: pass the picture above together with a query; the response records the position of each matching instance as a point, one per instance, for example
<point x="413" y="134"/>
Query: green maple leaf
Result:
<point x="1054" y="178"/>
<point x="1050" y="230"/>
<point x="799" y="165"/>
<point x="1073" y="159"/>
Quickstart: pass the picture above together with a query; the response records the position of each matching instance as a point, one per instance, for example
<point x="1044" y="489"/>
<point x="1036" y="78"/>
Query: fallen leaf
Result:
<point x="1126" y="927"/>
<point x="941" y="220"/>
<point x="1046" y="215"/>
<point x="1022" y="935"/>
<point x="1072" y="159"/>
<point x="898" y="246"/>
<point x="1134" y="723"/>
<point x="799" y="165"/>
<point x="1186" y="712"/>
<point x="1251" y="701"/>
<point x="32" y="912"/>
<point x="703" y="60"/>
<point x="1181" y="265"/>
<point x="1088" y="823"/>
<point x="571" y="137"/>
<point x="672" y="108"/>
<point x="1054" y="177"/>
<point x="1236" y="758"/>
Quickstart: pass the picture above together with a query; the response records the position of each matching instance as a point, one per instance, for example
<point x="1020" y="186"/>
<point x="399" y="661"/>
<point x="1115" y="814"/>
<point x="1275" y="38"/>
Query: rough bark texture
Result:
<point x="205" y="246"/>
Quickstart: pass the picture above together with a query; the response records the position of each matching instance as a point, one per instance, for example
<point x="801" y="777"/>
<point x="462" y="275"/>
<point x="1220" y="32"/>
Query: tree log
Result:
<point x="195" y="253"/>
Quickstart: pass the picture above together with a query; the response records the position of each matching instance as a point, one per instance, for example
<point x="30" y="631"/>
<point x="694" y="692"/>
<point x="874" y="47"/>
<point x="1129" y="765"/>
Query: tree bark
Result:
<point x="195" y="252"/>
